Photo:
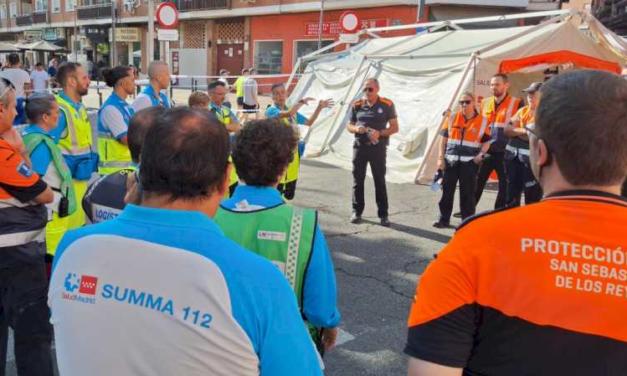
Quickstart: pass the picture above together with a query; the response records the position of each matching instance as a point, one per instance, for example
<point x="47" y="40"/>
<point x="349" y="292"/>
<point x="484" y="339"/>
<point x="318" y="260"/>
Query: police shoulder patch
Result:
<point x="24" y="170"/>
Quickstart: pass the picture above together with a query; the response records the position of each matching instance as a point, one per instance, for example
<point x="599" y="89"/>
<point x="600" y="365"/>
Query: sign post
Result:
<point x="168" y="19"/>
<point x="349" y="23"/>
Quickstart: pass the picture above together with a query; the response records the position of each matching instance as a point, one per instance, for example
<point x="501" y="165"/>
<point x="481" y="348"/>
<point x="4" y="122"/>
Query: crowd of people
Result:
<point x="185" y="256"/>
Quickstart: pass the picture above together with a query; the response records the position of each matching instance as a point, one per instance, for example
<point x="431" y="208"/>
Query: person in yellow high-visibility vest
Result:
<point x="217" y="93"/>
<point x="113" y="119"/>
<point x="74" y="133"/>
<point x="291" y="117"/>
<point x="239" y="89"/>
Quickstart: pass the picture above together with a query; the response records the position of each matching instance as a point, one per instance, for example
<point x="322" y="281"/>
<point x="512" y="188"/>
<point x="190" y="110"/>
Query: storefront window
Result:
<point x="269" y="57"/>
<point x="305" y="47"/>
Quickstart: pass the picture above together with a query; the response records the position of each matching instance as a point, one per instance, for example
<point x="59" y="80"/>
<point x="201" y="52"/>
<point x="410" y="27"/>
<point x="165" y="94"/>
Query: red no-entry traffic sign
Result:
<point x="349" y="22"/>
<point x="167" y="15"/>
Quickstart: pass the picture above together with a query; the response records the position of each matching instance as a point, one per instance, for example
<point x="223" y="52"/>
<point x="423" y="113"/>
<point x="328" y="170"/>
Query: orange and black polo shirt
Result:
<point x="545" y="298"/>
<point x="22" y="222"/>
<point x="374" y="116"/>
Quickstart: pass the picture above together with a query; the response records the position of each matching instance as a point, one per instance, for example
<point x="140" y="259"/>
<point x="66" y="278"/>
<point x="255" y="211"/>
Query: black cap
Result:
<point x="535" y="86"/>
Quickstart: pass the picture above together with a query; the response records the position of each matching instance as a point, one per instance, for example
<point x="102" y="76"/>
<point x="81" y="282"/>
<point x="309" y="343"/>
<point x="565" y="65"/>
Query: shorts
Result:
<point x="240" y="101"/>
<point x="250" y="109"/>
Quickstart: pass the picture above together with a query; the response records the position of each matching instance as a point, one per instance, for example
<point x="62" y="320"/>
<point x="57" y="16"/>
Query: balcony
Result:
<point x="191" y="5"/>
<point x="40" y="17"/>
<point x="25" y="20"/>
<point x="94" y="11"/>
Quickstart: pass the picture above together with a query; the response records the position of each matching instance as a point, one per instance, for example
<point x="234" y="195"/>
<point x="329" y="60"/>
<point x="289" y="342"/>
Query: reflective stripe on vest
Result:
<point x="78" y="140"/>
<point x="21" y="238"/>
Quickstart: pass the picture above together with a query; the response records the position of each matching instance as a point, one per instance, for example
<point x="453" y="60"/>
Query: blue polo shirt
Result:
<point x="274" y="111"/>
<point x="40" y="157"/>
<point x="164" y="292"/>
<point x="320" y="290"/>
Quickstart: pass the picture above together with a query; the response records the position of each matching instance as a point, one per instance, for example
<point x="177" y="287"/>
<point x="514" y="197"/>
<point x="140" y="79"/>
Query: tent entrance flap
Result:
<point x="558" y="58"/>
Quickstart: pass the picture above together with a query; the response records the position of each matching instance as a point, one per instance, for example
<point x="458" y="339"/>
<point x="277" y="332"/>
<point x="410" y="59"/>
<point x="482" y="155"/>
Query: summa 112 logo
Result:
<point x="80" y="288"/>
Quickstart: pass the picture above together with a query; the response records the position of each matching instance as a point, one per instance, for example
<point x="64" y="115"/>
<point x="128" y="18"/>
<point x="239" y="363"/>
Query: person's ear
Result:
<point x="543" y="155"/>
<point x="224" y="187"/>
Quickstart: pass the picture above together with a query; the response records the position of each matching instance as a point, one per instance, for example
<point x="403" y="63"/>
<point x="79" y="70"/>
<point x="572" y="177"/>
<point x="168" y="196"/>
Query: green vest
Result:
<point x="31" y="141"/>
<point x="283" y="234"/>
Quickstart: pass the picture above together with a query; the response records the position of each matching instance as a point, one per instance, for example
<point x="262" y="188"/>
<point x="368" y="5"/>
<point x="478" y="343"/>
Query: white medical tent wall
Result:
<point x="425" y="73"/>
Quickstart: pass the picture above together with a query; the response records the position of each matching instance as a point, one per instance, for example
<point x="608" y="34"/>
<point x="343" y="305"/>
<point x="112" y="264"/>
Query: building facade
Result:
<point x="221" y="34"/>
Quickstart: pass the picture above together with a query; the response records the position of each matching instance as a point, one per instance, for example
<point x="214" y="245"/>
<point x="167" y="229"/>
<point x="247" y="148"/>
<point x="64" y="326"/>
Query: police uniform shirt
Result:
<point x="22" y="222"/>
<point x="376" y="117"/>
<point x="538" y="299"/>
<point x="164" y="292"/>
<point x="104" y="199"/>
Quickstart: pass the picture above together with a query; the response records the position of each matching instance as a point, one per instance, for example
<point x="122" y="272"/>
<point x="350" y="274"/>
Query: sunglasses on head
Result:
<point x="8" y="86"/>
<point x="465" y="103"/>
<point x="368" y="89"/>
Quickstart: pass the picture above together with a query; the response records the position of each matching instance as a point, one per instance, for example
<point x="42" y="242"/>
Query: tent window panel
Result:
<point x="305" y="47"/>
<point x="269" y="57"/>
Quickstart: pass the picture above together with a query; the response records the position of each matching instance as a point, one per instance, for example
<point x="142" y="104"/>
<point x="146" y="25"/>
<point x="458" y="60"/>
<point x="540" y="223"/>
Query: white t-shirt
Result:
<point x="18" y="77"/>
<point x="39" y="79"/>
<point x="250" y="91"/>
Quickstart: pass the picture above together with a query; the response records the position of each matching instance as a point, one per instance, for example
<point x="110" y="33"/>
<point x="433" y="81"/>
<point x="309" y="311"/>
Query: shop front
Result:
<point x="277" y="41"/>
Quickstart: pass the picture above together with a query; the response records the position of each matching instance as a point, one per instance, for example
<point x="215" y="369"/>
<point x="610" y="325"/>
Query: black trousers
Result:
<point x="520" y="179"/>
<point x="23" y="307"/>
<point x="375" y="156"/>
<point x="466" y="174"/>
<point x="493" y="162"/>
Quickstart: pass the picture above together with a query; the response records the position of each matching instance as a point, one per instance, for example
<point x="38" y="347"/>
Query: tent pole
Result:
<point x="343" y="103"/>
<point x="470" y="63"/>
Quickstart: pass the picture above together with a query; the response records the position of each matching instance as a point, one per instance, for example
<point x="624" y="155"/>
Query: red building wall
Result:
<point x="291" y="27"/>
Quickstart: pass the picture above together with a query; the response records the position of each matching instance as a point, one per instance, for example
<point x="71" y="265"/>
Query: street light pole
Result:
<point x="151" y="32"/>
<point x="113" y="44"/>
<point x="320" y="24"/>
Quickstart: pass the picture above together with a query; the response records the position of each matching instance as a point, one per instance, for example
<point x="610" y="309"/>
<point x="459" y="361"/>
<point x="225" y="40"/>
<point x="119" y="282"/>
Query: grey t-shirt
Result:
<point x="250" y="91"/>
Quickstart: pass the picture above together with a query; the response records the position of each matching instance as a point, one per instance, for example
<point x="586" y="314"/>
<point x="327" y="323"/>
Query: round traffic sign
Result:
<point x="167" y="15"/>
<point x="349" y="22"/>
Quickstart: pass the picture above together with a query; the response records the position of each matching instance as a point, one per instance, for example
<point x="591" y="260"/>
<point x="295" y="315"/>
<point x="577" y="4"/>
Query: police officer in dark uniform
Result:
<point x="105" y="198"/>
<point x="369" y="121"/>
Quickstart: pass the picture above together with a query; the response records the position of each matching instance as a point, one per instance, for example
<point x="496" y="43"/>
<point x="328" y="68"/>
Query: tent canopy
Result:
<point x="8" y="47"/>
<point x="41" y="45"/>
<point x="424" y="74"/>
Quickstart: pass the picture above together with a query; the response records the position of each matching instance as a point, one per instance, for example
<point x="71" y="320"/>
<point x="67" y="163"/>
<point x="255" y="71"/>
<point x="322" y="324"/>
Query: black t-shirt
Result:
<point x="104" y="199"/>
<point x="376" y="117"/>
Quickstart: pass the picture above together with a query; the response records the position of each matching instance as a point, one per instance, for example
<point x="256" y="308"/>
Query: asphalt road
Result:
<point x="376" y="267"/>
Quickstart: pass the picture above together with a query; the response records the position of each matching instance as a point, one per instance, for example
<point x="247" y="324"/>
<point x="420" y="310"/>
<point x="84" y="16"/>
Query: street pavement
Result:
<point x="376" y="267"/>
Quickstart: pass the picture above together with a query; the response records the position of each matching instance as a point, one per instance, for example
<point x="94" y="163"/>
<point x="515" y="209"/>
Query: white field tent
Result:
<point x="425" y="73"/>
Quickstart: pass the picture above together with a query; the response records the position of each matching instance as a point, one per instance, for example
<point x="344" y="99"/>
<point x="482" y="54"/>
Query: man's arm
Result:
<point x="418" y="367"/>
<point x="442" y="153"/>
<point x="327" y="103"/>
<point x="113" y="120"/>
<point x="20" y="181"/>
<point x="352" y="126"/>
<point x="513" y="128"/>
<point x="320" y="290"/>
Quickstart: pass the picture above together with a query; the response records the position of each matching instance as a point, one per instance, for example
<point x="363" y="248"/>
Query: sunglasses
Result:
<point x="8" y="86"/>
<point x="368" y="89"/>
<point x="465" y="103"/>
<point x="532" y="130"/>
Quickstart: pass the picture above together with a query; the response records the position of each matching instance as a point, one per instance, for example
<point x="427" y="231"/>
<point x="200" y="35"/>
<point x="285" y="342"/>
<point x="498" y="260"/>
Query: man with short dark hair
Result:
<point x="105" y="197"/>
<point x="543" y="294"/>
<point x="258" y="219"/>
<point x="74" y="133"/>
<point x="39" y="79"/>
<point x="15" y="73"/>
<point x="292" y="118"/>
<point x="499" y="109"/>
<point x="369" y="121"/>
<point x="170" y="294"/>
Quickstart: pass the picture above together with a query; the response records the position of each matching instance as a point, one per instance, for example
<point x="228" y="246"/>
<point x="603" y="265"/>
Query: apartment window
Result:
<point x="13" y="10"/>
<point x="3" y="11"/>
<point x="269" y="57"/>
<point x="69" y="5"/>
<point x="56" y="6"/>
<point x="41" y="5"/>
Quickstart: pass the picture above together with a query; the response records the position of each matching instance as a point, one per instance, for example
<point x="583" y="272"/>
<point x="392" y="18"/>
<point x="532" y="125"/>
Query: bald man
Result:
<point x="153" y="95"/>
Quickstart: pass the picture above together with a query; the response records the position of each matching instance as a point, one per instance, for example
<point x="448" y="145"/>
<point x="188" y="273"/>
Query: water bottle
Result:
<point x="437" y="181"/>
